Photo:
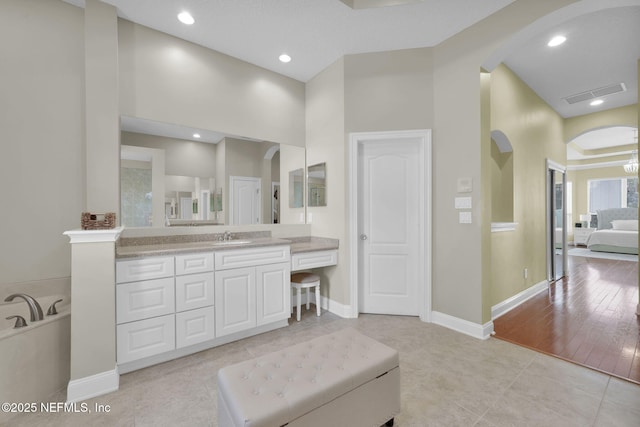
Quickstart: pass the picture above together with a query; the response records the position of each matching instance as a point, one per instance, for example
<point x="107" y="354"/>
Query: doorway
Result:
<point x="245" y="200"/>
<point x="556" y="221"/>
<point x="390" y="223"/>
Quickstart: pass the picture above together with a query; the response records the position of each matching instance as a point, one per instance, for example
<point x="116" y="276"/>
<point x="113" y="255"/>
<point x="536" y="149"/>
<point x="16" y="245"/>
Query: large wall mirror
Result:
<point x="176" y="176"/>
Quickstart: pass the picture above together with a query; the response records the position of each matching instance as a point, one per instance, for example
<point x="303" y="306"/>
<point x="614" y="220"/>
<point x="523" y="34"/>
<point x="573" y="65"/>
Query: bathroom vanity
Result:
<point x="178" y="297"/>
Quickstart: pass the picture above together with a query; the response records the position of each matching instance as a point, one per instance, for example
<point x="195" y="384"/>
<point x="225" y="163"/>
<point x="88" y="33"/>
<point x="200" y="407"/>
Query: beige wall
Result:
<point x="42" y="165"/>
<point x="535" y="131"/>
<point x="170" y="80"/>
<point x="325" y="136"/>
<point x="182" y="157"/>
<point x="460" y="260"/>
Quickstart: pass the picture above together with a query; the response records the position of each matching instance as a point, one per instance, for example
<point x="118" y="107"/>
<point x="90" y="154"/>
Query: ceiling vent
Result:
<point x="596" y="93"/>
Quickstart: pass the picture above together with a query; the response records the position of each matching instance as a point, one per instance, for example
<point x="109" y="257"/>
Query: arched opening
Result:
<point x="501" y="178"/>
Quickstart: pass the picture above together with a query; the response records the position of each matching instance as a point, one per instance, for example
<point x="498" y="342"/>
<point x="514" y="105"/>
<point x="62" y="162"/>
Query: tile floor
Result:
<point x="448" y="379"/>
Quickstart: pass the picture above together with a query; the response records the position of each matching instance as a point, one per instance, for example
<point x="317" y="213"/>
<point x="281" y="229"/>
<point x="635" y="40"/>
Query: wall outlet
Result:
<point x="525" y="272"/>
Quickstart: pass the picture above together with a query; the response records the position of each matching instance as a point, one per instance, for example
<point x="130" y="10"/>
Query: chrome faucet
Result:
<point x="227" y="236"/>
<point x="34" y="307"/>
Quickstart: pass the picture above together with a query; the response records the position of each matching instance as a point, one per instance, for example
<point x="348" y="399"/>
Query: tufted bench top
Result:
<point x="279" y="387"/>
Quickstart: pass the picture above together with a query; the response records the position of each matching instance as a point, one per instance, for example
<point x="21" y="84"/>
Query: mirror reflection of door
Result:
<point x="245" y="200"/>
<point x="556" y="222"/>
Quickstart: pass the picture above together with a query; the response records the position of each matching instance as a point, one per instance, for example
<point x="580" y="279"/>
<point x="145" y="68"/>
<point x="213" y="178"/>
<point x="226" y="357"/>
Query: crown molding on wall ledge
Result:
<point x="511" y="303"/>
<point x="94" y="385"/>
<point x="597" y="165"/>
<point x="466" y="327"/>
<point x="94" y="236"/>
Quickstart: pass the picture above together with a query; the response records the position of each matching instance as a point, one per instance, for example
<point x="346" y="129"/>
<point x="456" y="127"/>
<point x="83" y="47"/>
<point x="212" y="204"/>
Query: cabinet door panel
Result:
<point x="237" y="258"/>
<point x="273" y="287"/>
<point x="142" y="300"/>
<point x="195" y="326"/>
<point x="145" y="338"/>
<point x="235" y="295"/>
<point x="314" y="259"/>
<point x="194" y="291"/>
<point x="194" y="263"/>
<point x="144" y="269"/>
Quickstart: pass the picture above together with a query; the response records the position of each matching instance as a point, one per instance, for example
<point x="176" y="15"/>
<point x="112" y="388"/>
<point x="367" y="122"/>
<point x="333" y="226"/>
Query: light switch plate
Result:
<point x="464" y="217"/>
<point x="463" y="202"/>
<point x="465" y="185"/>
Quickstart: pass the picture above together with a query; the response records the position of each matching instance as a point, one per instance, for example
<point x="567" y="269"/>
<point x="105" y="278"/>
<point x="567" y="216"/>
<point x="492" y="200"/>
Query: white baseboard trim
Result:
<point x="344" y="311"/>
<point x="466" y="327"/>
<point x="328" y="304"/>
<point x="511" y="303"/>
<point x="92" y="386"/>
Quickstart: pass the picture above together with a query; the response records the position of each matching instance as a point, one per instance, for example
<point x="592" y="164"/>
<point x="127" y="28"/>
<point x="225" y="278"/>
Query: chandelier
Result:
<point x="632" y="164"/>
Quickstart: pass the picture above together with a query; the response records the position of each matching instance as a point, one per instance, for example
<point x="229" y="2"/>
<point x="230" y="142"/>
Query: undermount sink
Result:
<point x="231" y="242"/>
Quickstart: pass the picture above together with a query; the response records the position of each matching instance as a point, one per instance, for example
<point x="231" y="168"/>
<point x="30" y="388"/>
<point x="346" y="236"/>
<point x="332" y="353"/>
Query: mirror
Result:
<point x="296" y="187"/>
<point x="172" y="179"/>
<point x="316" y="183"/>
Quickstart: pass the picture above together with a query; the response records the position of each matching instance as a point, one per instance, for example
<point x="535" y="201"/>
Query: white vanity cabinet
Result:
<point x="171" y="306"/>
<point x="195" y="313"/>
<point x="145" y="307"/>
<point x="252" y="288"/>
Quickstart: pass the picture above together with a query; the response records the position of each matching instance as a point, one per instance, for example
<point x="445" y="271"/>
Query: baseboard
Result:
<point x="92" y="386"/>
<point x="511" y="303"/>
<point x="466" y="327"/>
<point x="336" y="308"/>
<point x="328" y="304"/>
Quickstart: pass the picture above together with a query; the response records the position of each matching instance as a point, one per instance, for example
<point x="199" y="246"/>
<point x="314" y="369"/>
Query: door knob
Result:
<point x="363" y="237"/>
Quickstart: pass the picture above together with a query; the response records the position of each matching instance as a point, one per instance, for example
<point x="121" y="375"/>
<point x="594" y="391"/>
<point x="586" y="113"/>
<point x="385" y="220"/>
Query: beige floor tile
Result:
<point x="447" y="379"/>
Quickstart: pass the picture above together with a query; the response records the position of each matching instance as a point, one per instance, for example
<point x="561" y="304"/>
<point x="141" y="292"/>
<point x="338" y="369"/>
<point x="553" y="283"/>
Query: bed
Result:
<point x="617" y="231"/>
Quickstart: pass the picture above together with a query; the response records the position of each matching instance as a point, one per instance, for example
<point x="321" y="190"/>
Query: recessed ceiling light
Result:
<point x="196" y="135"/>
<point x="556" y="41"/>
<point x="596" y="102"/>
<point x="285" y="58"/>
<point x="186" y="18"/>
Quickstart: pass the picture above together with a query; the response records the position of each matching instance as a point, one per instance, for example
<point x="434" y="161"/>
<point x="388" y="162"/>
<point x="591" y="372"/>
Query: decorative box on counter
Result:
<point x="98" y="221"/>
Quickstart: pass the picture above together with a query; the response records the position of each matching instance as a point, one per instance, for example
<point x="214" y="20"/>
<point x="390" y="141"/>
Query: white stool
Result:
<point x="301" y="281"/>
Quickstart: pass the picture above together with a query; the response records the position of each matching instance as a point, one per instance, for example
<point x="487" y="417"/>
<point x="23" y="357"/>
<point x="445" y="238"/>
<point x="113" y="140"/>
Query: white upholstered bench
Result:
<point x="341" y="379"/>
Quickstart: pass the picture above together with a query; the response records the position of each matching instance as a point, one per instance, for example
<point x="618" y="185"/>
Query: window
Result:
<point x="612" y="193"/>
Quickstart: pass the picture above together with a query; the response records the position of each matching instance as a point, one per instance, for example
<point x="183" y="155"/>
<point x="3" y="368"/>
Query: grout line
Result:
<point x="604" y="393"/>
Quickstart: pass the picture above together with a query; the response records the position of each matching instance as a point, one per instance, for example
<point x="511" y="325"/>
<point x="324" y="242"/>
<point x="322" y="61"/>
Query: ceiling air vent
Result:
<point x="595" y="93"/>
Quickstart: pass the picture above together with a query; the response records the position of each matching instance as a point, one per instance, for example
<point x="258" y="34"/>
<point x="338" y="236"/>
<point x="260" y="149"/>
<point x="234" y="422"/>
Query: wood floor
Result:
<point x="587" y="318"/>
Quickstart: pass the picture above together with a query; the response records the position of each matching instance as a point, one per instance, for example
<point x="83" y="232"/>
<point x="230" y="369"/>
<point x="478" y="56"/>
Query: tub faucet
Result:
<point x="34" y="307"/>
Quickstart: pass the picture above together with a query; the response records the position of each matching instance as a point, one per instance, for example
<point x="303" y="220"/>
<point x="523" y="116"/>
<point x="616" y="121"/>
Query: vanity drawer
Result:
<point x="194" y="291"/>
<point x="306" y="260"/>
<point x="195" y="326"/>
<point x="237" y="258"/>
<point x="194" y="263"/>
<point x="137" y="340"/>
<point x="144" y="269"/>
<point x="142" y="300"/>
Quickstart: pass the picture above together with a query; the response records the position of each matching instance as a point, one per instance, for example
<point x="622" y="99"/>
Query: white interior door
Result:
<point x="245" y="200"/>
<point x="390" y="225"/>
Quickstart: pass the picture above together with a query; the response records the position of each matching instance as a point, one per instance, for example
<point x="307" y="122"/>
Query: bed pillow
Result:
<point x="625" y="224"/>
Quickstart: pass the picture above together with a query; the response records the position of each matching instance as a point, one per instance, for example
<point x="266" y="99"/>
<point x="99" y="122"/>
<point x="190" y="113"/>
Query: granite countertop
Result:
<point x="158" y="246"/>
<point x="311" y="244"/>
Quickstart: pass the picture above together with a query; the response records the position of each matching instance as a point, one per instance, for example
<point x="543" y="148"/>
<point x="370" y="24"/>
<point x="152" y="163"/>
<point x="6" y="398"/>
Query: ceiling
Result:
<point x="617" y="138"/>
<point x="602" y="48"/>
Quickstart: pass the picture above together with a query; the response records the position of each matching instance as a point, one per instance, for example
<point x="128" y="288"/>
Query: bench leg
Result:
<point x="318" y="300"/>
<point x="308" y="289"/>
<point x="298" y="301"/>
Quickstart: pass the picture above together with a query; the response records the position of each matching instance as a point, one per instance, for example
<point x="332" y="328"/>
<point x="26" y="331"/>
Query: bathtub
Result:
<point x="34" y="360"/>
